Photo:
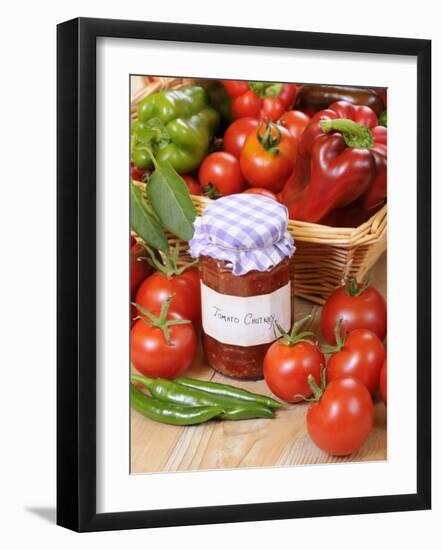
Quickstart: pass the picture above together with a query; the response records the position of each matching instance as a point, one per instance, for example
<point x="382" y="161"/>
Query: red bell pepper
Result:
<point x="265" y="100"/>
<point x="341" y="157"/>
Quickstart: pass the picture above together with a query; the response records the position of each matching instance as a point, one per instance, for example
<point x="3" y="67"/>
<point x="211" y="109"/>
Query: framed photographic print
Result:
<point x="229" y="289"/>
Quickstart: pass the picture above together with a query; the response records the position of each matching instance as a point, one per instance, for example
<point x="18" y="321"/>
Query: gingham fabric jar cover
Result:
<point x="248" y="231"/>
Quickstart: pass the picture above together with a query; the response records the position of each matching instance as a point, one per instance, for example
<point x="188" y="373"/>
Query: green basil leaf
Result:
<point x="170" y="199"/>
<point x="144" y="222"/>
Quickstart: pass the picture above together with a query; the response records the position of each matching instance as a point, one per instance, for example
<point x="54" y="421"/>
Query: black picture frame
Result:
<point x="76" y="273"/>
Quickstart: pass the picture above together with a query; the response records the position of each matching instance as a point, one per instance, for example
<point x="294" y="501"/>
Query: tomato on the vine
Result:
<point x="162" y="347"/>
<point x="237" y="133"/>
<point x="261" y="191"/>
<point x="183" y="284"/>
<point x="272" y="108"/>
<point x="341" y="419"/>
<point x="359" y="354"/>
<point x="383" y="381"/>
<point x="267" y="158"/>
<point x="358" y="306"/>
<point x="289" y="361"/>
<point x="192" y="185"/>
<point x="220" y="175"/>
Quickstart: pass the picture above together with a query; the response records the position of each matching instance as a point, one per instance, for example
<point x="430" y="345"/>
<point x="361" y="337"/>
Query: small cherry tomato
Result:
<point x="137" y="174"/>
<point x="288" y="363"/>
<point x="261" y="191"/>
<point x="383" y="382"/>
<point x="237" y="133"/>
<point x="272" y="108"/>
<point x="288" y="94"/>
<point x="268" y="157"/>
<point x="139" y="267"/>
<point x="235" y="88"/>
<point x="192" y="185"/>
<point x="358" y="306"/>
<point x="342" y="418"/>
<point x="359" y="354"/>
<point x="161" y="347"/>
<point x="247" y="104"/>
<point x="220" y="175"/>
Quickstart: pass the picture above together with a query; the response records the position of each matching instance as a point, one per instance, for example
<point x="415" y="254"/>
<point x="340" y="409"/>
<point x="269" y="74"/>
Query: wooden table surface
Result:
<point x="282" y="441"/>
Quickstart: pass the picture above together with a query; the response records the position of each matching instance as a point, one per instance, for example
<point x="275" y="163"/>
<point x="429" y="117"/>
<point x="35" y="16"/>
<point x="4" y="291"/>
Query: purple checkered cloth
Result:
<point x="248" y="231"/>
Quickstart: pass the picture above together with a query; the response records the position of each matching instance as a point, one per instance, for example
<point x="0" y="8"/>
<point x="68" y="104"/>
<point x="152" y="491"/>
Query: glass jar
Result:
<point x="244" y="250"/>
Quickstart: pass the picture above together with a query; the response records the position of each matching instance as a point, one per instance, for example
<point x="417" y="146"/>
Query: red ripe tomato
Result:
<point x="235" y="87"/>
<point x="288" y="363"/>
<point x="247" y="104"/>
<point x="341" y="420"/>
<point x="220" y="175"/>
<point x="261" y="191"/>
<point x="237" y="133"/>
<point x="137" y="174"/>
<point x="288" y="94"/>
<point x="184" y="288"/>
<point x="268" y="157"/>
<point x="162" y="349"/>
<point x="272" y="108"/>
<point x="358" y="307"/>
<point x="359" y="355"/>
<point x="383" y="382"/>
<point x="139" y="268"/>
<point x="192" y="185"/>
<point x="295" y="122"/>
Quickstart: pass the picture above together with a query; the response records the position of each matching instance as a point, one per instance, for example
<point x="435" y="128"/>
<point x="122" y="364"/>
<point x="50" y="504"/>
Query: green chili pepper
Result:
<point x="168" y="413"/>
<point x="175" y="126"/>
<point x="229" y="391"/>
<point x="172" y="392"/>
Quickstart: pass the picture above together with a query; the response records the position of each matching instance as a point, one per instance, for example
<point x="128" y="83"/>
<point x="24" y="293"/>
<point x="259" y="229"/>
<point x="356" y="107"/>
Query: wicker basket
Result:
<point x="323" y="254"/>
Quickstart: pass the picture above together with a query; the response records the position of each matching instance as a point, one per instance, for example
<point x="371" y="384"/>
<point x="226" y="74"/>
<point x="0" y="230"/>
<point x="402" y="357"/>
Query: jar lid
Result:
<point x="247" y="231"/>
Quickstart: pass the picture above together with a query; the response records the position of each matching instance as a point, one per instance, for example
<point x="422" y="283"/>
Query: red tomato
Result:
<point x="358" y="307"/>
<point x="272" y="108"/>
<point x="383" y="382"/>
<point x="247" y="104"/>
<point x="286" y="369"/>
<point x="185" y="289"/>
<point x="341" y="420"/>
<point x="268" y="157"/>
<point x="236" y="134"/>
<point x="235" y="87"/>
<point x="137" y="174"/>
<point x="288" y="94"/>
<point x="220" y="175"/>
<point x="139" y="269"/>
<point x="261" y="191"/>
<point x="154" y="356"/>
<point x="360" y="356"/>
<point x="295" y="122"/>
<point x="192" y="185"/>
<point x="290" y="361"/>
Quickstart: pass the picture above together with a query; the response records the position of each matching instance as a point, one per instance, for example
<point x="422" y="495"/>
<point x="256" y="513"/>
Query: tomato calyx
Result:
<point x="317" y="391"/>
<point x="293" y="337"/>
<point x="353" y="288"/>
<point x="268" y="141"/>
<point x="211" y="191"/>
<point x="167" y="264"/>
<point x="340" y="338"/>
<point x="160" y="322"/>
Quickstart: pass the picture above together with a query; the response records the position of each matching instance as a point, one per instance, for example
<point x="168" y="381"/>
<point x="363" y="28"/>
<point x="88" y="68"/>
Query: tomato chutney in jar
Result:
<point x="244" y="249"/>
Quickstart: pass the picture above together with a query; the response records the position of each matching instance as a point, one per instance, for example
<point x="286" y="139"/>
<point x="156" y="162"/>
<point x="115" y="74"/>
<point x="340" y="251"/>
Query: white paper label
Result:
<point x="245" y="321"/>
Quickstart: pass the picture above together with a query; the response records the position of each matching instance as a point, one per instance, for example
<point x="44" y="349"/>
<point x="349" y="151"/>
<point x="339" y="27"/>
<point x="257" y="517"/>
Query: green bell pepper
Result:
<point x="174" y="126"/>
